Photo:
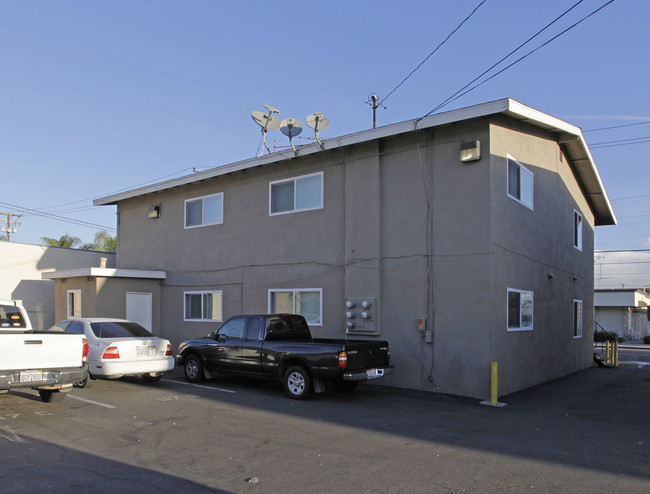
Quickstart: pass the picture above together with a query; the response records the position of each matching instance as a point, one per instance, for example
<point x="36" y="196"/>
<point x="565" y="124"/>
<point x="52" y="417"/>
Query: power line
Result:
<point x="616" y="126"/>
<point x="620" y="142"/>
<point x="436" y="49"/>
<point x="457" y="95"/>
<point x="58" y="218"/>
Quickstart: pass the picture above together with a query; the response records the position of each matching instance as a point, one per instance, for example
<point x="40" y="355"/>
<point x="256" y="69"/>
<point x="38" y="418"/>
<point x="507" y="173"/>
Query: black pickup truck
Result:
<point x="280" y="346"/>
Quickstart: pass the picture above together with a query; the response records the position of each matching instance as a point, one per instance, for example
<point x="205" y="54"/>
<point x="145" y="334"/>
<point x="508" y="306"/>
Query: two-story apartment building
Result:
<point x="463" y="238"/>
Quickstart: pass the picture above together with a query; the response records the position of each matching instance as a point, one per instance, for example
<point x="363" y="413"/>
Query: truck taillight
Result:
<point x="343" y="360"/>
<point x="169" y="351"/>
<point x="86" y="349"/>
<point x="111" y="352"/>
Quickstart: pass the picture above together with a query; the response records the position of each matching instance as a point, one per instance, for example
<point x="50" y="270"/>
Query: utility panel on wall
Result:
<point x="360" y="316"/>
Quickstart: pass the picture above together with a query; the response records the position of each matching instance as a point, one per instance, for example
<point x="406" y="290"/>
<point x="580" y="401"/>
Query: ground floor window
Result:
<point x="306" y="302"/>
<point x="520" y="310"/>
<point x="203" y="306"/>
<point x="577" y="318"/>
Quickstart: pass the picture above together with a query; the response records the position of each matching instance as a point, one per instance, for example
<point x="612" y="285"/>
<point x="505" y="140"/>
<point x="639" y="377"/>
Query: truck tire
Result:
<point x="193" y="368"/>
<point x="51" y="395"/>
<point x="297" y="382"/>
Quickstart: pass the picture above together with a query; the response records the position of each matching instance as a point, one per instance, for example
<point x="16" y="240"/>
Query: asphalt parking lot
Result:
<point x="586" y="433"/>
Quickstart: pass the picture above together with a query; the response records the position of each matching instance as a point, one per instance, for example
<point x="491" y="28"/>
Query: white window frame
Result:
<point x="295" y="180"/>
<point x="74" y="308"/>
<point x="578" y="318"/>
<point x="521" y="326"/>
<point x="294" y="291"/>
<point x="202" y="199"/>
<point x="203" y="292"/>
<point x="578" y="222"/>
<point x="523" y="173"/>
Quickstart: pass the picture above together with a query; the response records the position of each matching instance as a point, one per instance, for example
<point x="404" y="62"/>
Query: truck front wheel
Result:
<point x="297" y="382"/>
<point x="193" y="368"/>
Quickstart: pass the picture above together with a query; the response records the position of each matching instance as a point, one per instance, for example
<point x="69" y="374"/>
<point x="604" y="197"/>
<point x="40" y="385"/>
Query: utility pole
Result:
<point x="11" y="226"/>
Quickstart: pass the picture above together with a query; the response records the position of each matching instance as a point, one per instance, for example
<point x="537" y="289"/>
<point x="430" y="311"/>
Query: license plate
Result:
<point x="31" y="376"/>
<point x="145" y="351"/>
<point x="374" y="373"/>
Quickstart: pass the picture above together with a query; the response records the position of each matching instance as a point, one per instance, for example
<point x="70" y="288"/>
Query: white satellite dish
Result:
<point x="267" y="121"/>
<point x="291" y="127"/>
<point x="318" y="122"/>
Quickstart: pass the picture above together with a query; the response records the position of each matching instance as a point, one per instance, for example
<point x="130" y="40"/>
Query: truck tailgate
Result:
<point x="40" y="350"/>
<point x="367" y="354"/>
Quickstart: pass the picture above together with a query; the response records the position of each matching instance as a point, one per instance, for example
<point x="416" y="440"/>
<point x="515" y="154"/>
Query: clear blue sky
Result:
<point x="99" y="97"/>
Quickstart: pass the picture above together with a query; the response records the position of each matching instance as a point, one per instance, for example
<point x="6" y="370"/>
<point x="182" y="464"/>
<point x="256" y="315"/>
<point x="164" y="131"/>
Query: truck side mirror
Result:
<point x="212" y="335"/>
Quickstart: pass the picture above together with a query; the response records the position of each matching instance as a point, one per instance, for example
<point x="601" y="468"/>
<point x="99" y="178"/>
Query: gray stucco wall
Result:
<point x="404" y="222"/>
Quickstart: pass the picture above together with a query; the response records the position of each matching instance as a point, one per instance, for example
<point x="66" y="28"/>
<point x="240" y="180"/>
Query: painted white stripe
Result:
<point x="90" y="401"/>
<point x="200" y="386"/>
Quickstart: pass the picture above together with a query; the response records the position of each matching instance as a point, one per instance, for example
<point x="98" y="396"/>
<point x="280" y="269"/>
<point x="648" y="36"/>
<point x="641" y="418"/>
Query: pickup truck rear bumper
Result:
<point x="368" y="374"/>
<point x="42" y="378"/>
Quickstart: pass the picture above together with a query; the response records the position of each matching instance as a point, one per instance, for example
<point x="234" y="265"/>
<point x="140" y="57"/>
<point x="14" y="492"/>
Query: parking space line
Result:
<point x="91" y="401"/>
<point x="201" y="386"/>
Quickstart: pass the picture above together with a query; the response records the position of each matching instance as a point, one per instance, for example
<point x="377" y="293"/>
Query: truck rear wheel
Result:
<point x="297" y="382"/>
<point x="51" y="395"/>
<point x="193" y="368"/>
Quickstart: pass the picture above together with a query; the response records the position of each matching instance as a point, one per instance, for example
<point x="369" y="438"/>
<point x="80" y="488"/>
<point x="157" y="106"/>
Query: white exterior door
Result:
<point x="138" y="308"/>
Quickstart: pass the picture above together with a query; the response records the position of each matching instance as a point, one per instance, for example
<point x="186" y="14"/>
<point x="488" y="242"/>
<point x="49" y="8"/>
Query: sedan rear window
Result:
<point x="119" y="330"/>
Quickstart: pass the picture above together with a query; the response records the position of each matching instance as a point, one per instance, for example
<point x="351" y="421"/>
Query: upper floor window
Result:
<point x="202" y="211"/>
<point x="577" y="318"/>
<point x="306" y="302"/>
<point x="577" y="230"/>
<point x="520" y="310"/>
<point x="520" y="183"/>
<point x="203" y="306"/>
<point x="296" y="194"/>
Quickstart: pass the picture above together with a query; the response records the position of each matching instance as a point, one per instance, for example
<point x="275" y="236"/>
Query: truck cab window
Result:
<point x="234" y="328"/>
<point x="253" y="329"/>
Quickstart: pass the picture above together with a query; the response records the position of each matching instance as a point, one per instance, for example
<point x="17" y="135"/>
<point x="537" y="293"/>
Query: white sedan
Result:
<point x="120" y="348"/>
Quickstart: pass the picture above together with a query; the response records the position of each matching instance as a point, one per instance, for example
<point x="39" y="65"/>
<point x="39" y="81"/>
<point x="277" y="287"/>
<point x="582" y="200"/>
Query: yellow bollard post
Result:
<point x="607" y="351"/>
<point x="494" y="387"/>
<point x="615" y="352"/>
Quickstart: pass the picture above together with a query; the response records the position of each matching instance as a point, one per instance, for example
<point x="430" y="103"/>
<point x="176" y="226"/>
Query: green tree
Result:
<point x="66" y="240"/>
<point x="105" y="242"/>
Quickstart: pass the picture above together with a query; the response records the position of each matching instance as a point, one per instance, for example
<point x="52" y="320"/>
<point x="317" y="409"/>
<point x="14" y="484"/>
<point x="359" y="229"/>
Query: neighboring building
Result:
<point x="622" y="311"/>
<point x="469" y="234"/>
<point x="21" y="269"/>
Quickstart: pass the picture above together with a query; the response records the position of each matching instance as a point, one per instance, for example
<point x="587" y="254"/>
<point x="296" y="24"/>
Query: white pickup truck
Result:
<point x="50" y="362"/>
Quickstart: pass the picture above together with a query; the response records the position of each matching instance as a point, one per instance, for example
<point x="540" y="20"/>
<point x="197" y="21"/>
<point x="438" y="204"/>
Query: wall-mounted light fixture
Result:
<point x="154" y="212"/>
<point x="470" y="151"/>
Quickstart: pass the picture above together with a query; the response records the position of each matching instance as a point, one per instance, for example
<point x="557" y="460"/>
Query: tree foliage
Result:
<point x="66" y="240"/>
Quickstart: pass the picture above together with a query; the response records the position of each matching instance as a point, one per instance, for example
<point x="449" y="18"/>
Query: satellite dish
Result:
<point x="267" y="121"/>
<point x="318" y="122"/>
<point x="291" y="128"/>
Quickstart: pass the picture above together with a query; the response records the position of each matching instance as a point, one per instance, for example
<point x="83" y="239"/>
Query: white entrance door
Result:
<point x="138" y="308"/>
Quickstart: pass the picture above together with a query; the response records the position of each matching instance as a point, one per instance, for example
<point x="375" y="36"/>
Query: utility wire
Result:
<point x="456" y="96"/>
<point x="616" y="126"/>
<point x="56" y="217"/>
<point x="622" y="142"/>
<point x="449" y="99"/>
<point x="437" y="48"/>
